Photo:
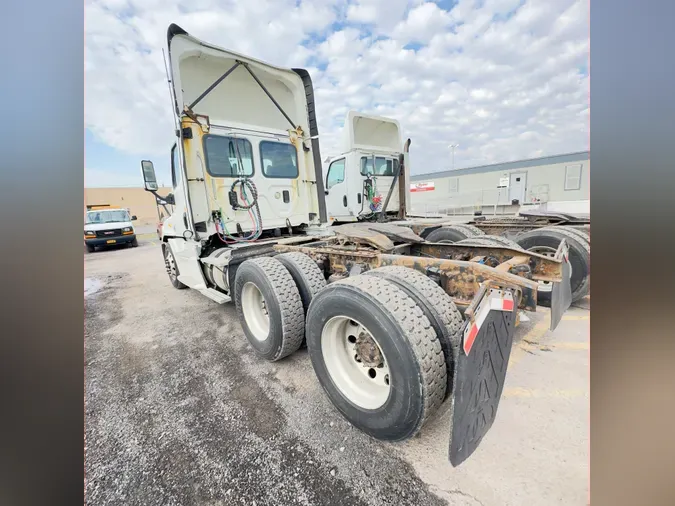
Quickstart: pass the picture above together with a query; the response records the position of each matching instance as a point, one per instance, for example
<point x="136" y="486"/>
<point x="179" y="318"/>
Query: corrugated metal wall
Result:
<point x="565" y="181"/>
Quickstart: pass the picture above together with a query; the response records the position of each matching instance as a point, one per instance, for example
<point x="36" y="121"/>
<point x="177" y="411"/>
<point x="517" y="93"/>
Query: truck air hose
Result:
<point x="247" y="187"/>
<point x="367" y="194"/>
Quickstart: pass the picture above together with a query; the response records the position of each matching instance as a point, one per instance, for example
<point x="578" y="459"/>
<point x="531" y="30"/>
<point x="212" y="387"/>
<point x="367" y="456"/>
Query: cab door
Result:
<point x="337" y="201"/>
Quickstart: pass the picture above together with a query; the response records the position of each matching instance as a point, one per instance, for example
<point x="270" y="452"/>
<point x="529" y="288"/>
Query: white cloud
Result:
<point x="499" y="78"/>
<point x="101" y="178"/>
<point x="382" y="14"/>
<point x="422" y="23"/>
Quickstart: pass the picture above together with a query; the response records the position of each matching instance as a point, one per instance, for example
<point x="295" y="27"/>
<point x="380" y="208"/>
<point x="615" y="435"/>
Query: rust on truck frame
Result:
<point x="460" y="270"/>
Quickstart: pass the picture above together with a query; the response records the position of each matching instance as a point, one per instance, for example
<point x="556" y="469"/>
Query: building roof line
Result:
<point x="517" y="164"/>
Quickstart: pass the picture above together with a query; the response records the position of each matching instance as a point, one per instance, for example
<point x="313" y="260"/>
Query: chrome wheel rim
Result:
<point x="170" y="264"/>
<point x="255" y="311"/>
<point x="355" y="362"/>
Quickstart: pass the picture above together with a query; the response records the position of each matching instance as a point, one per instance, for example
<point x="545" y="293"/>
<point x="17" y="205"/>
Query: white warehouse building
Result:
<point x="559" y="182"/>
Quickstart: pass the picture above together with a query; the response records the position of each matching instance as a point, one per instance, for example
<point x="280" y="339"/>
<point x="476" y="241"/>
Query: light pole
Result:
<point x="453" y="146"/>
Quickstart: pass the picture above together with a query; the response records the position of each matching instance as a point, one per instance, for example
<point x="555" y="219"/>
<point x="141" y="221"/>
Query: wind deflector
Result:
<point x="221" y="84"/>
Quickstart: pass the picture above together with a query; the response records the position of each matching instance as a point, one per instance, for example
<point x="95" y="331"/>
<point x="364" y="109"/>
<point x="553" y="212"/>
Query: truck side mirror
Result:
<point x="134" y="218"/>
<point x="149" y="179"/>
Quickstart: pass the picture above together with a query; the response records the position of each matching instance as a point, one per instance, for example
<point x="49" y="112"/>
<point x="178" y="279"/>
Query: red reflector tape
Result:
<point x="468" y="340"/>
<point x="496" y="300"/>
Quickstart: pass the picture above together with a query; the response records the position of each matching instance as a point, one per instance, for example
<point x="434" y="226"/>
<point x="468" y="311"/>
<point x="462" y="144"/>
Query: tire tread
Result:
<point x="418" y="332"/>
<point x="441" y="307"/>
<point x="473" y="231"/>
<point x="574" y="233"/>
<point x="290" y="304"/>
<point x="306" y="267"/>
<point x="493" y="240"/>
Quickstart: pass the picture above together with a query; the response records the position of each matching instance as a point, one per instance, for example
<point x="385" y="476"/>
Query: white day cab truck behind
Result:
<point x="357" y="192"/>
<point x="108" y="227"/>
<point x="395" y="325"/>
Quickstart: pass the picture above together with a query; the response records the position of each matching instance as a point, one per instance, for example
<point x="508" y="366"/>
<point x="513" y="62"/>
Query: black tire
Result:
<point x="582" y="233"/>
<point x="508" y="219"/>
<point x="479" y="241"/>
<point x="472" y="230"/>
<point x="173" y="276"/>
<point x="447" y="235"/>
<point x="410" y="346"/>
<point x="494" y="239"/>
<point x="585" y="241"/>
<point x="436" y="305"/>
<point x="579" y="256"/>
<point x="90" y="248"/>
<point x="134" y="243"/>
<point x="282" y="302"/>
<point x="307" y="276"/>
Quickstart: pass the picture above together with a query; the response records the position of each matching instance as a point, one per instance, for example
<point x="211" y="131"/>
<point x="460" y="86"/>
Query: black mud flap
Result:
<point x="561" y="295"/>
<point x="479" y="376"/>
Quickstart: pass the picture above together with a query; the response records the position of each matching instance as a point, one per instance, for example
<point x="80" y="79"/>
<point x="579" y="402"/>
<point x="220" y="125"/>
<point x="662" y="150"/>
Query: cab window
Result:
<point x="279" y="160"/>
<point x="175" y="166"/>
<point x="383" y="166"/>
<point x="228" y="156"/>
<point x="336" y="173"/>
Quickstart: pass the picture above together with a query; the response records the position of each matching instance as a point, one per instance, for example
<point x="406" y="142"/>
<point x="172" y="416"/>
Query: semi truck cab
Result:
<point x="244" y="157"/>
<point x="359" y="179"/>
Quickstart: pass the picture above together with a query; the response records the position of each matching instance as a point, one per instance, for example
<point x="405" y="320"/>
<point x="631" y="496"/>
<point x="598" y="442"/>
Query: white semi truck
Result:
<point x="395" y="325"/>
<point x="365" y="183"/>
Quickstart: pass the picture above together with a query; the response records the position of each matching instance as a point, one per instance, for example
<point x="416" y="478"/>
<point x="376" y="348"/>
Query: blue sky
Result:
<point x="504" y="79"/>
<point x="115" y="167"/>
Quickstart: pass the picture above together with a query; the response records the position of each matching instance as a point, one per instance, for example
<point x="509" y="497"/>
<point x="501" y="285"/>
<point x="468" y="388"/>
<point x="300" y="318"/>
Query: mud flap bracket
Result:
<point x="561" y="295"/>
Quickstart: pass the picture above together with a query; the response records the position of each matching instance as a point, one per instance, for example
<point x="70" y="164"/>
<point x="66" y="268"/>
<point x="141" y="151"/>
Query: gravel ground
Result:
<point x="179" y="410"/>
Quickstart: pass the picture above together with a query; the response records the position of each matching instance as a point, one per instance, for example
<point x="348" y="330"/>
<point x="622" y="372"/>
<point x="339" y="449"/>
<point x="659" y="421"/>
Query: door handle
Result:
<point x="344" y="200"/>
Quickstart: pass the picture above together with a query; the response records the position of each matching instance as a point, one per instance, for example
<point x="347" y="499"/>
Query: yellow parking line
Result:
<point x="576" y="317"/>
<point x="528" y="341"/>
<point x="537" y="332"/>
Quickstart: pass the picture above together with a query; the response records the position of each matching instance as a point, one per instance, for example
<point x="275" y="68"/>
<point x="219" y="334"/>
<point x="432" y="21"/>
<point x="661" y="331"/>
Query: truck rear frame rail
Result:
<point x="460" y="270"/>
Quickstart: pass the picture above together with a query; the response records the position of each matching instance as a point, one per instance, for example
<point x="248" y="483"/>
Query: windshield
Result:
<point x="383" y="166"/>
<point x="107" y="216"/>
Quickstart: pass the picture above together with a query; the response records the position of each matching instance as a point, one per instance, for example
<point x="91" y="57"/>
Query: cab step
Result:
<point x="215" y="295"/>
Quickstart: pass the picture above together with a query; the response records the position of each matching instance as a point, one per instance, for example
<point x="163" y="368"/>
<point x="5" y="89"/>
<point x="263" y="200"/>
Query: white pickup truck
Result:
<point x="108" y="227"/>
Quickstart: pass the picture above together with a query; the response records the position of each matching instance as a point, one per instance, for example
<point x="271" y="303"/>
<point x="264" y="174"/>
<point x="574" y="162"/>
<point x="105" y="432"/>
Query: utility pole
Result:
<point x="453" y="146"/>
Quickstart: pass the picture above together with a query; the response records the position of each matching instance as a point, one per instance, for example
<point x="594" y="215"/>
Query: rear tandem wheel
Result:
<point x="376" y="356"/>
<point x="436" y="305"/>
<point x="545" y="241"/>
<point x="453" y="233"/>
<point x="269" y="307"/>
